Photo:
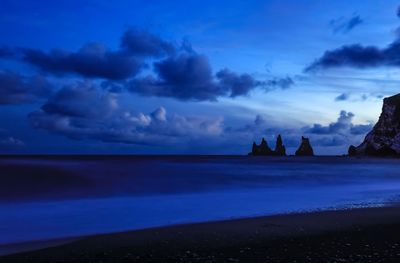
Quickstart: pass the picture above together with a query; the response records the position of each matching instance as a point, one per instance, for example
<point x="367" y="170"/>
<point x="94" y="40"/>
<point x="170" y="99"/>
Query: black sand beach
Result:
<point x="357" y="235"/>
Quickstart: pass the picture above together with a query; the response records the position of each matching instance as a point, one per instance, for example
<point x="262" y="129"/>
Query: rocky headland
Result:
<point x="384" y="139"/>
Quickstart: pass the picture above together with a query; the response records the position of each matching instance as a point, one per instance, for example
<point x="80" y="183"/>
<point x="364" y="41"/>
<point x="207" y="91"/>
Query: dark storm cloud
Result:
<point x="95" y="60"/>
<point x="84" y="111"/>
<point x="184" y="77"/>
<point x="82" y="101"/>
<point x="345" y="25"/>
<point x="235" y="84"/>
<point x="188" y="76"/>
<point x="142" y="43"/>
<point x="358" y="56"/>
<point x="179" y="72"/>
<point x="92" y="60"/>
<point x="18" y="89"/>
<point x="343" y="125"/>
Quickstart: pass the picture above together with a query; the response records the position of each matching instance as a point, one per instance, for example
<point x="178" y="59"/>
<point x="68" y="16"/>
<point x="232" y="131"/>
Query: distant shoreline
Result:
<point x="88" y="156"/>
<point x="271" y="237"/>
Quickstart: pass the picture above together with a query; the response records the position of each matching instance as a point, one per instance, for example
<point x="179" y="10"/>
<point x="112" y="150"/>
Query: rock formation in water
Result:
<point x="280" y="149"/>
<point x="384" y="139"/>
<point x="264" y="150"/>
<point x="305" y="148"/>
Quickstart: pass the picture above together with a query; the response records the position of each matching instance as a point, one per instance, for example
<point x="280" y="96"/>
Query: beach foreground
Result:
<point x="356" y="235"/>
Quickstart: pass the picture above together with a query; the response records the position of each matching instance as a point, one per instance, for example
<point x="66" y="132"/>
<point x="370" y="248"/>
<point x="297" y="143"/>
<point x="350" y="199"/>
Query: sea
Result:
<point x="57" y="197"/>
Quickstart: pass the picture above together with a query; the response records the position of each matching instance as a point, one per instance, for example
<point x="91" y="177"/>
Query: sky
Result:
<point x="193" y="77"/>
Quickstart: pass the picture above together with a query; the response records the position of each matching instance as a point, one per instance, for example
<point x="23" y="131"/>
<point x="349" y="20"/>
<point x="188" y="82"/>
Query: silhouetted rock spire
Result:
<point x="305" y="148"/>
<point x="280" y="149"/>
<point x="384" y="139"/>
<point x="264" y="150"/>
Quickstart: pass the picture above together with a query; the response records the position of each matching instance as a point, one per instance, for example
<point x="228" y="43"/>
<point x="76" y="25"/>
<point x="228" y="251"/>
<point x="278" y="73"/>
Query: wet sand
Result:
<point x="357" y="235"/>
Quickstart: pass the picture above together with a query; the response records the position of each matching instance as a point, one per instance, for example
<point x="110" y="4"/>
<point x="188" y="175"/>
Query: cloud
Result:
<point x="185" y="77"/>
<point x="11" y="142"/>
<point x="357" y="56"/>
<point x="337" y="135"/>
<point x="93" y="60"/>
<point x="85" y="111"/>
<point x="18" y="89"/>
<point x="345" y="25"/>
<point x="235" y="84"/>
<point x="189" y="76"/>
<point x="141" y="43"/>
<point x="260" y="120"/>
<point x="6" y="52"/>
<point x="178" y="71"/>
<point x="82" y="100"/>
<point x="282" y="83"/>
<point x="343" y="126"/>
<point x="342" y="97"/>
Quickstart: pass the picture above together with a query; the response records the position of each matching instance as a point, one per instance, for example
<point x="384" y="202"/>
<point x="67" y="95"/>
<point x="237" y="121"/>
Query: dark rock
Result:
<point x="280" y="149"/>
<point x="264" y="150"/>
<point x="305" y="148"/>
<point x="384" y="139"/>
<point x="254" y="149"/>
<point x="352" y="150"/>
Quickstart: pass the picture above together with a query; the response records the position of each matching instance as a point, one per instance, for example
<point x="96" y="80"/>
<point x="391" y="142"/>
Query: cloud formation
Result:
<point x="92" y="60"/>
<point x="189" y="76"/>
<point x="84" y="111"/>
<point x="95" y="60"/>
<point x="6" y="52"/>
<point x="142" y="43"/>
<point x="18" y="89"/>
<point x="357" y="56"/>
<point x="178" y="71"/>
<point x="340" y="133"/>
<point x="342" y="97"/>
<point x="11" y="142"/>
<point x="185" y="77"/>
<point x="235" y="84"/>
<point x="343" y="126"/>
<point x="345" y="25"/>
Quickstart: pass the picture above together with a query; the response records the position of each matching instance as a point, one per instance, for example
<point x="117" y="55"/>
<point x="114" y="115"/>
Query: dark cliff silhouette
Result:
<point x="305" y="148"/>
<point x="264" y="150"/>
<point x="384" y="139"/>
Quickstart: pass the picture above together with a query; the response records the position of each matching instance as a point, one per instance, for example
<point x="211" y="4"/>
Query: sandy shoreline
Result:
<point x="360" y="232"/>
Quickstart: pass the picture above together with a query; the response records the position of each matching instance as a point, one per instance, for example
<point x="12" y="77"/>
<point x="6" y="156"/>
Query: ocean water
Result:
<point x="54" y="197"/>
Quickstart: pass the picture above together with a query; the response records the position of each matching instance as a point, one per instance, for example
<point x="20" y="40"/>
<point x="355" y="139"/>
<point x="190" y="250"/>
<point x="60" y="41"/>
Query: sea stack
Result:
<point x="305" y="148"/>
<point x="384" y="139"/>
<point x="264" y="150"/>
<point x="280" y="149"/>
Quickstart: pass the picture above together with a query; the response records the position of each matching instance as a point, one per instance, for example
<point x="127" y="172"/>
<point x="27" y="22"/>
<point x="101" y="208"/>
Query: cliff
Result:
<point x="384" y="139"/>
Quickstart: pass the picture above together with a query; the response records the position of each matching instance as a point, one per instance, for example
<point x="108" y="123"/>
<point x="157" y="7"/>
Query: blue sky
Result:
<point x="203" y="77"/>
